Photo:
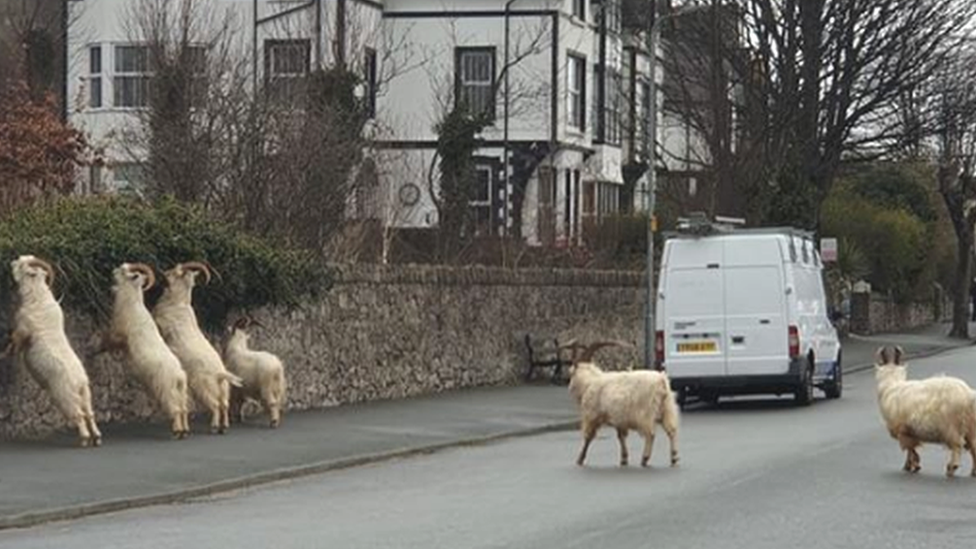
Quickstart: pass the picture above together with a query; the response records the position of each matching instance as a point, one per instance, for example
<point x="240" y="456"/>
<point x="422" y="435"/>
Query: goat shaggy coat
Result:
<point x="939" y="410"/>
<point x="638" y="400"/>
<point x="208" y="377"/>
<point x="40" y="340"/>
<point x="262" y="373"/>
<point x="148" y="358"/>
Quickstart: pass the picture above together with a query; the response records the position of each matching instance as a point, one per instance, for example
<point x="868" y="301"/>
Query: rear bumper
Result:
<point x="740" y="385"/>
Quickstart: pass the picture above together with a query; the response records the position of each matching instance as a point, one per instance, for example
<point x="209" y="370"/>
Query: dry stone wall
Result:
<point x="381" y="333"/>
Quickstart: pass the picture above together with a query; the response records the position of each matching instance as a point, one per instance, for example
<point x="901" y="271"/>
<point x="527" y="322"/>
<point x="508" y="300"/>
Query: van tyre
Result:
<point x="835" y="387"/>
<point x="804" y="391"/>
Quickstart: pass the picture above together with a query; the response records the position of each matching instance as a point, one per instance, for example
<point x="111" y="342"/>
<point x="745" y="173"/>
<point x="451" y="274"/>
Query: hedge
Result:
<point x="86" y="238"/>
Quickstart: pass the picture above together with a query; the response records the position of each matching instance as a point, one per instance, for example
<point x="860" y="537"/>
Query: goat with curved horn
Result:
<point x="38" y="262"/>
<point x="146" y="271"/>
<point x="201" y="267"/>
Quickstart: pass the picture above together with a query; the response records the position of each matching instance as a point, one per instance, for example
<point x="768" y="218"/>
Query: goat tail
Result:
<point x="230" y="378"/>
<point x="670" y="413"/>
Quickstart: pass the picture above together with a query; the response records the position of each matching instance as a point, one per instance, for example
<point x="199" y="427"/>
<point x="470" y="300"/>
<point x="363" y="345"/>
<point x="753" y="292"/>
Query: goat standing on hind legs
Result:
<point x="208" y="378"/>
<point x="939" y="409"/>
<point x="636" y="400"/>
<point x="39" y="341"/>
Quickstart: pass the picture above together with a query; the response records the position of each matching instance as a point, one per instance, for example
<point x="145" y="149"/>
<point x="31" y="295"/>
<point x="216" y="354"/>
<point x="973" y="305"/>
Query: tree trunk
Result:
<point x="960" y="293"/>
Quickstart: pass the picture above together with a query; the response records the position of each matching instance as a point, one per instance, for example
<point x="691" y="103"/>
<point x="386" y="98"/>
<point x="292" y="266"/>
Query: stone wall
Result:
<point x="873" y="313"/>
<point x="385" y="332"/>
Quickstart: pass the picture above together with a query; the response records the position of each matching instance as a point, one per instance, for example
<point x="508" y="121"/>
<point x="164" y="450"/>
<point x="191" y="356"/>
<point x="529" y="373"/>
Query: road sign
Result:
<point x="828" y="250"/>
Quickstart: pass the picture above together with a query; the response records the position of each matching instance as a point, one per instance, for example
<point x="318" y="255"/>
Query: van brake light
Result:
<point x="659" y="349"/>
<point x="794" y="340"/>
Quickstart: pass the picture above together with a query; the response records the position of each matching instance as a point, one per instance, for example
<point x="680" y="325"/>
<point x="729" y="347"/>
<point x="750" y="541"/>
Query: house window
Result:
<point x="612" y="109"/>
<point x="129" y="178"/>
<point x="599" y="125"/>
<point x="95" y="77"/>
<point x="646" y="138"/>
<point x="481" y="200"/>
<point x="579" y="9"/>
<point x="286" y="64"/>
<point x="611" y="15"/>
<point x="475" y="80"/>
<point x="369" y="68"/>
<point x="577" y="92"/>
<point x="131" y="83"/>
<point x="197" y="61"/>
<point x="547" y="205"/>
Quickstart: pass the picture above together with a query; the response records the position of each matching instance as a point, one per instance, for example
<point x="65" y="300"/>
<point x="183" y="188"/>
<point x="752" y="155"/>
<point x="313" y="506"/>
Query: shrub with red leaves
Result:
<point x="39" y="153"/>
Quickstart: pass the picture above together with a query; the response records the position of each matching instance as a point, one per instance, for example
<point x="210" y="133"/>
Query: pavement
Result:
<point x="51" y="479"/>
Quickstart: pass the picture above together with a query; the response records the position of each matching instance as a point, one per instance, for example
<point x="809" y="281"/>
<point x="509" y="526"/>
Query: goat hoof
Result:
<point x="674" y="462"/>
<point x="83" y="442"/>
<point x="623" y="463"/>
<point x="274" y="424"/>
<point x="644" y="462"/>
<point x="97" y="441"/>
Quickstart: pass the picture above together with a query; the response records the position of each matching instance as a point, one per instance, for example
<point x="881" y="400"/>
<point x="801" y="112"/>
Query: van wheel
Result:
<point x="803" y="396"/>
<point x="835" y="387"/>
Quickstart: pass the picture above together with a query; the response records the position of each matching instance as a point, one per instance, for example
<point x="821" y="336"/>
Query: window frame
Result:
<point x="370" y="70"/>
<point x="286" y="86"/>
<point x="141" y="79"/>
<point x="576" y="91"/>
<point x="96" y="77"/>
<point x="460" y="85"/>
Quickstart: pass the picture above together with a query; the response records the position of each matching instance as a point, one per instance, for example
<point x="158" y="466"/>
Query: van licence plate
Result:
<point x="698" y="347"/>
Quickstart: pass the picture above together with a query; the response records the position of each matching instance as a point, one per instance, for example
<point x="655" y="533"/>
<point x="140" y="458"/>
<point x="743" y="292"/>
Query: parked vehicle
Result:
<point x="744" y="311"/>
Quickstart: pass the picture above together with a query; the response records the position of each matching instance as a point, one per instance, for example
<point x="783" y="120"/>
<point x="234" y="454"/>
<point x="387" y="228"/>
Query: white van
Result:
<point x="743" y="311"/>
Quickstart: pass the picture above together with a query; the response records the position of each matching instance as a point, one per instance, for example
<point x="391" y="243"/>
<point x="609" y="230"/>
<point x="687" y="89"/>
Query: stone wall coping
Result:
<point x="482" y="276"/>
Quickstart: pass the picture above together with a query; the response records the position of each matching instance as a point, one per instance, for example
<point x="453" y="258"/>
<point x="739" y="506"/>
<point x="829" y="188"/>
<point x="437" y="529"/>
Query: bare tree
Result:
<point x="451" y="181"/>
<point x="945" y="111"/>
<point x="822" y="78"/>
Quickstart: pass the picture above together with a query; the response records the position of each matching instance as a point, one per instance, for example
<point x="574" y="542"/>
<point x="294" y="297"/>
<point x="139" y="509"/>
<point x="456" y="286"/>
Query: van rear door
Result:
<point x="755" y="307"/>
<point x="693" y="303"/>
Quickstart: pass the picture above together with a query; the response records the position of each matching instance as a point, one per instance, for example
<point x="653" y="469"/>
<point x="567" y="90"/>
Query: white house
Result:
<point x="568" y="118"/>
<point x="568" y="139"/>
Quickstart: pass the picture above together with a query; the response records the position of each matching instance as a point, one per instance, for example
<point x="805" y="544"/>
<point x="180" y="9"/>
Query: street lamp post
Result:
<point x="653" y="37"/>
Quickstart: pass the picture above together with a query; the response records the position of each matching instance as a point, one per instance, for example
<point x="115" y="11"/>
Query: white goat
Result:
<point x="148" y="358"/>
<point x="39" y="339"/>
<point x="209" y="380"/>
<point x="262" y="372"/>
<point x="638" y="400"/>
<point x="938" y="409"/>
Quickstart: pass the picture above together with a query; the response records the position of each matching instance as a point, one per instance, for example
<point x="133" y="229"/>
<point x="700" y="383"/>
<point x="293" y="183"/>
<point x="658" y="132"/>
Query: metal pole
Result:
<point x="649" y="192"/>
<point x="505" y="167"/>
<point x="651" y="187"/>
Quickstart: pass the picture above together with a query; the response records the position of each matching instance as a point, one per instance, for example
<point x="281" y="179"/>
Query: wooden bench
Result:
<point x="545" y="352"/>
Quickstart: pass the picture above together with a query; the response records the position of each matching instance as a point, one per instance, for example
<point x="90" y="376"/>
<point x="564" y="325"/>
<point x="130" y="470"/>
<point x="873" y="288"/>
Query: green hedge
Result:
<point x="86" y="238"/>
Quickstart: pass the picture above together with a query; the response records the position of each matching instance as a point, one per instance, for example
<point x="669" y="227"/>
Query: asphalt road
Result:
<point x="753" y="474"/>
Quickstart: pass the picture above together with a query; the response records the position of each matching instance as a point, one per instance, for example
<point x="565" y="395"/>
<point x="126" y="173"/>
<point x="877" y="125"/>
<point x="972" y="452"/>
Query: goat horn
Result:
<point x="588" y="352"/>
<point x="254" y="322"/>
<point x="881" y="355"/>
<point x="199" y="266"/>
<point x="36" y="262"/>
<point x="241" y="323"/>
<point x="898" y="354"/>
<point x="147" y="271"/>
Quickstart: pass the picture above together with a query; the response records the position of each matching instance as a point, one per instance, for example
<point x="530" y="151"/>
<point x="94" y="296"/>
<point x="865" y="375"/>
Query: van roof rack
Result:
<point x="697" y="224"/>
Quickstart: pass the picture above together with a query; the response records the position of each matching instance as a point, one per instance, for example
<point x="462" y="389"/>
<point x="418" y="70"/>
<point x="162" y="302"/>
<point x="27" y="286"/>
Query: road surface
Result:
<point x="753" y="474"/>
